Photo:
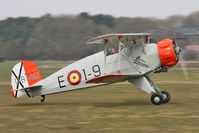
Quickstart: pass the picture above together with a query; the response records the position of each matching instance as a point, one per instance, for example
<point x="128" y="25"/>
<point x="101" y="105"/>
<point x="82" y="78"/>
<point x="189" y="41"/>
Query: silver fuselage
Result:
<point x="132" y="61"/>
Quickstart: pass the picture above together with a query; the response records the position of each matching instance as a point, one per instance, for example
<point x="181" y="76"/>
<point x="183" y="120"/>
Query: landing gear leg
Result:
<point x="146" y="84"/>
<point x="43" y="98"/>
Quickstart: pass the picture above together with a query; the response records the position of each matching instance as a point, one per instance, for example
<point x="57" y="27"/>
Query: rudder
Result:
<point x="24" y="74"/>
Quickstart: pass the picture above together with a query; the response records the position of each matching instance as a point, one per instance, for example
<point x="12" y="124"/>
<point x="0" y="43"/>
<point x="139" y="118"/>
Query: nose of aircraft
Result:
<point x="168" y="52"/>
<point x="177" y="49"/>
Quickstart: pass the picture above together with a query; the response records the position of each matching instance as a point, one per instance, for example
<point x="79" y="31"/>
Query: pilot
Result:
<point x="110" y="51"/>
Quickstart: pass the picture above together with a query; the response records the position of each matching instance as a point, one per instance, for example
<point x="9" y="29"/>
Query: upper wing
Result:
<point x="116" y="38"/>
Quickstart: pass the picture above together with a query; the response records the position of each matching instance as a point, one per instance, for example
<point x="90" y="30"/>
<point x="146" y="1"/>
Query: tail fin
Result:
<point x="24" y="74"/>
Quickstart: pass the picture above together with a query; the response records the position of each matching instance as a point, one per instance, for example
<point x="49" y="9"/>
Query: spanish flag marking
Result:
<point x="74" y="77"/>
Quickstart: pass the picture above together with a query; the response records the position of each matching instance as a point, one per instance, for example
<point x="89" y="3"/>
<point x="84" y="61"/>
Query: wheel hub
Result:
<point x="157" y="99"/>
<point x="164" y="96"/>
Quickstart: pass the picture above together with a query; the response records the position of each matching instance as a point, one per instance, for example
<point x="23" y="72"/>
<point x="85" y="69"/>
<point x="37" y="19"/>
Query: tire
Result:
<point x="156" y="99"/>
<point x="166" y="97"/>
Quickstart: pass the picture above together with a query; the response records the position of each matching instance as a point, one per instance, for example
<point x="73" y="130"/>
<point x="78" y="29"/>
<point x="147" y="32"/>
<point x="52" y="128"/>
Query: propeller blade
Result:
<point x="174" y="40"/>
<point x="179" y="56"/>
<point x="183" y="66"/>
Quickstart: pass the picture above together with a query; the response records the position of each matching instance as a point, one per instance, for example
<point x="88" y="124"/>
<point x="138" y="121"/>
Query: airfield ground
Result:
<point x="116" y="108"/>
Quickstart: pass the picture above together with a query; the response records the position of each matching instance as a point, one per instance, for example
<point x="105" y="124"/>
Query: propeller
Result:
<point x="183" y="66"/>
<point x="178" y="52"/>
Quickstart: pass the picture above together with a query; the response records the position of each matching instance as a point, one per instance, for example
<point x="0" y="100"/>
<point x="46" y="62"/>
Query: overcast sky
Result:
<point x="129" y="8"/>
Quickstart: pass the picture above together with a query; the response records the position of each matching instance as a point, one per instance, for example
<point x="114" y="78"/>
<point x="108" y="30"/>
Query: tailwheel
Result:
<point x="43" y="98"/>
<point x="156" y="99"/>
<point x="166" y="96"/>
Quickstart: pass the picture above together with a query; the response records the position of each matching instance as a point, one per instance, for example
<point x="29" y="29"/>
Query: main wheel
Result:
<point x="156" y="99"/>
<point x="43" y="98"/>
<point x="166" y="96"/>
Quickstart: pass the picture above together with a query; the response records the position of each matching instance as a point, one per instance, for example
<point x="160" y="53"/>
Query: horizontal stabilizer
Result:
<point x="29" y="89"/>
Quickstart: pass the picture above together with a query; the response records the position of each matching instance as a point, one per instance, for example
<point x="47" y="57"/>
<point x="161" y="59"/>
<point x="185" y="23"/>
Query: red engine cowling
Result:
<point x="167" y="53"/>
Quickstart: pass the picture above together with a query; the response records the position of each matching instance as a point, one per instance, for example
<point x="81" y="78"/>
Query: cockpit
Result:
<point x="114" y="43"/>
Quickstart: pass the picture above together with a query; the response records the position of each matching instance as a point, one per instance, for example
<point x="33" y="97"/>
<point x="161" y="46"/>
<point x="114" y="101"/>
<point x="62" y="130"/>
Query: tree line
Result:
<point x="64" y="37"/>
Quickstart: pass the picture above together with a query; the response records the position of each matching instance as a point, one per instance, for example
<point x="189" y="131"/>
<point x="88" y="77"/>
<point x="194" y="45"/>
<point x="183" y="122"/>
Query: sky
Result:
<point x="117" y="8"/>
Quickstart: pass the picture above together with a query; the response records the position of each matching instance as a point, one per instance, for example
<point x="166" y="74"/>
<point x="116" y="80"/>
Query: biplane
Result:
<point x="125" y="57"/>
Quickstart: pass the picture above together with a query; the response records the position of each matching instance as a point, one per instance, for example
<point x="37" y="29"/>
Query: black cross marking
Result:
<point x="19" y="82"/>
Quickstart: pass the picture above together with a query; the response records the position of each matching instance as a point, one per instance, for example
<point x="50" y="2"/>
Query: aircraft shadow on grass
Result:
<point x="94" y="104"/>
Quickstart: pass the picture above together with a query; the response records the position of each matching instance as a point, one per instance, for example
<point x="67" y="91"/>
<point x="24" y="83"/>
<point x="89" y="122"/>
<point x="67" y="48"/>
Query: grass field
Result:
<point x="116" y="108"/>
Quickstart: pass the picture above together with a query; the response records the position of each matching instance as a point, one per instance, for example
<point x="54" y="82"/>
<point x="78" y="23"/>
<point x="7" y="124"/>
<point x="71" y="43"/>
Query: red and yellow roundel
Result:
<point x="74" y="77"/>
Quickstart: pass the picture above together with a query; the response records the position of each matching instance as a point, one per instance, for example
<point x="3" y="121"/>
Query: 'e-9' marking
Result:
<point x="96" y="70"/>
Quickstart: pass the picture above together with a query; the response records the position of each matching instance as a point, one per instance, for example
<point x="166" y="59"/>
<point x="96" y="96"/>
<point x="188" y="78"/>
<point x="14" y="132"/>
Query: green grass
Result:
<point x="120" y="108"/>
